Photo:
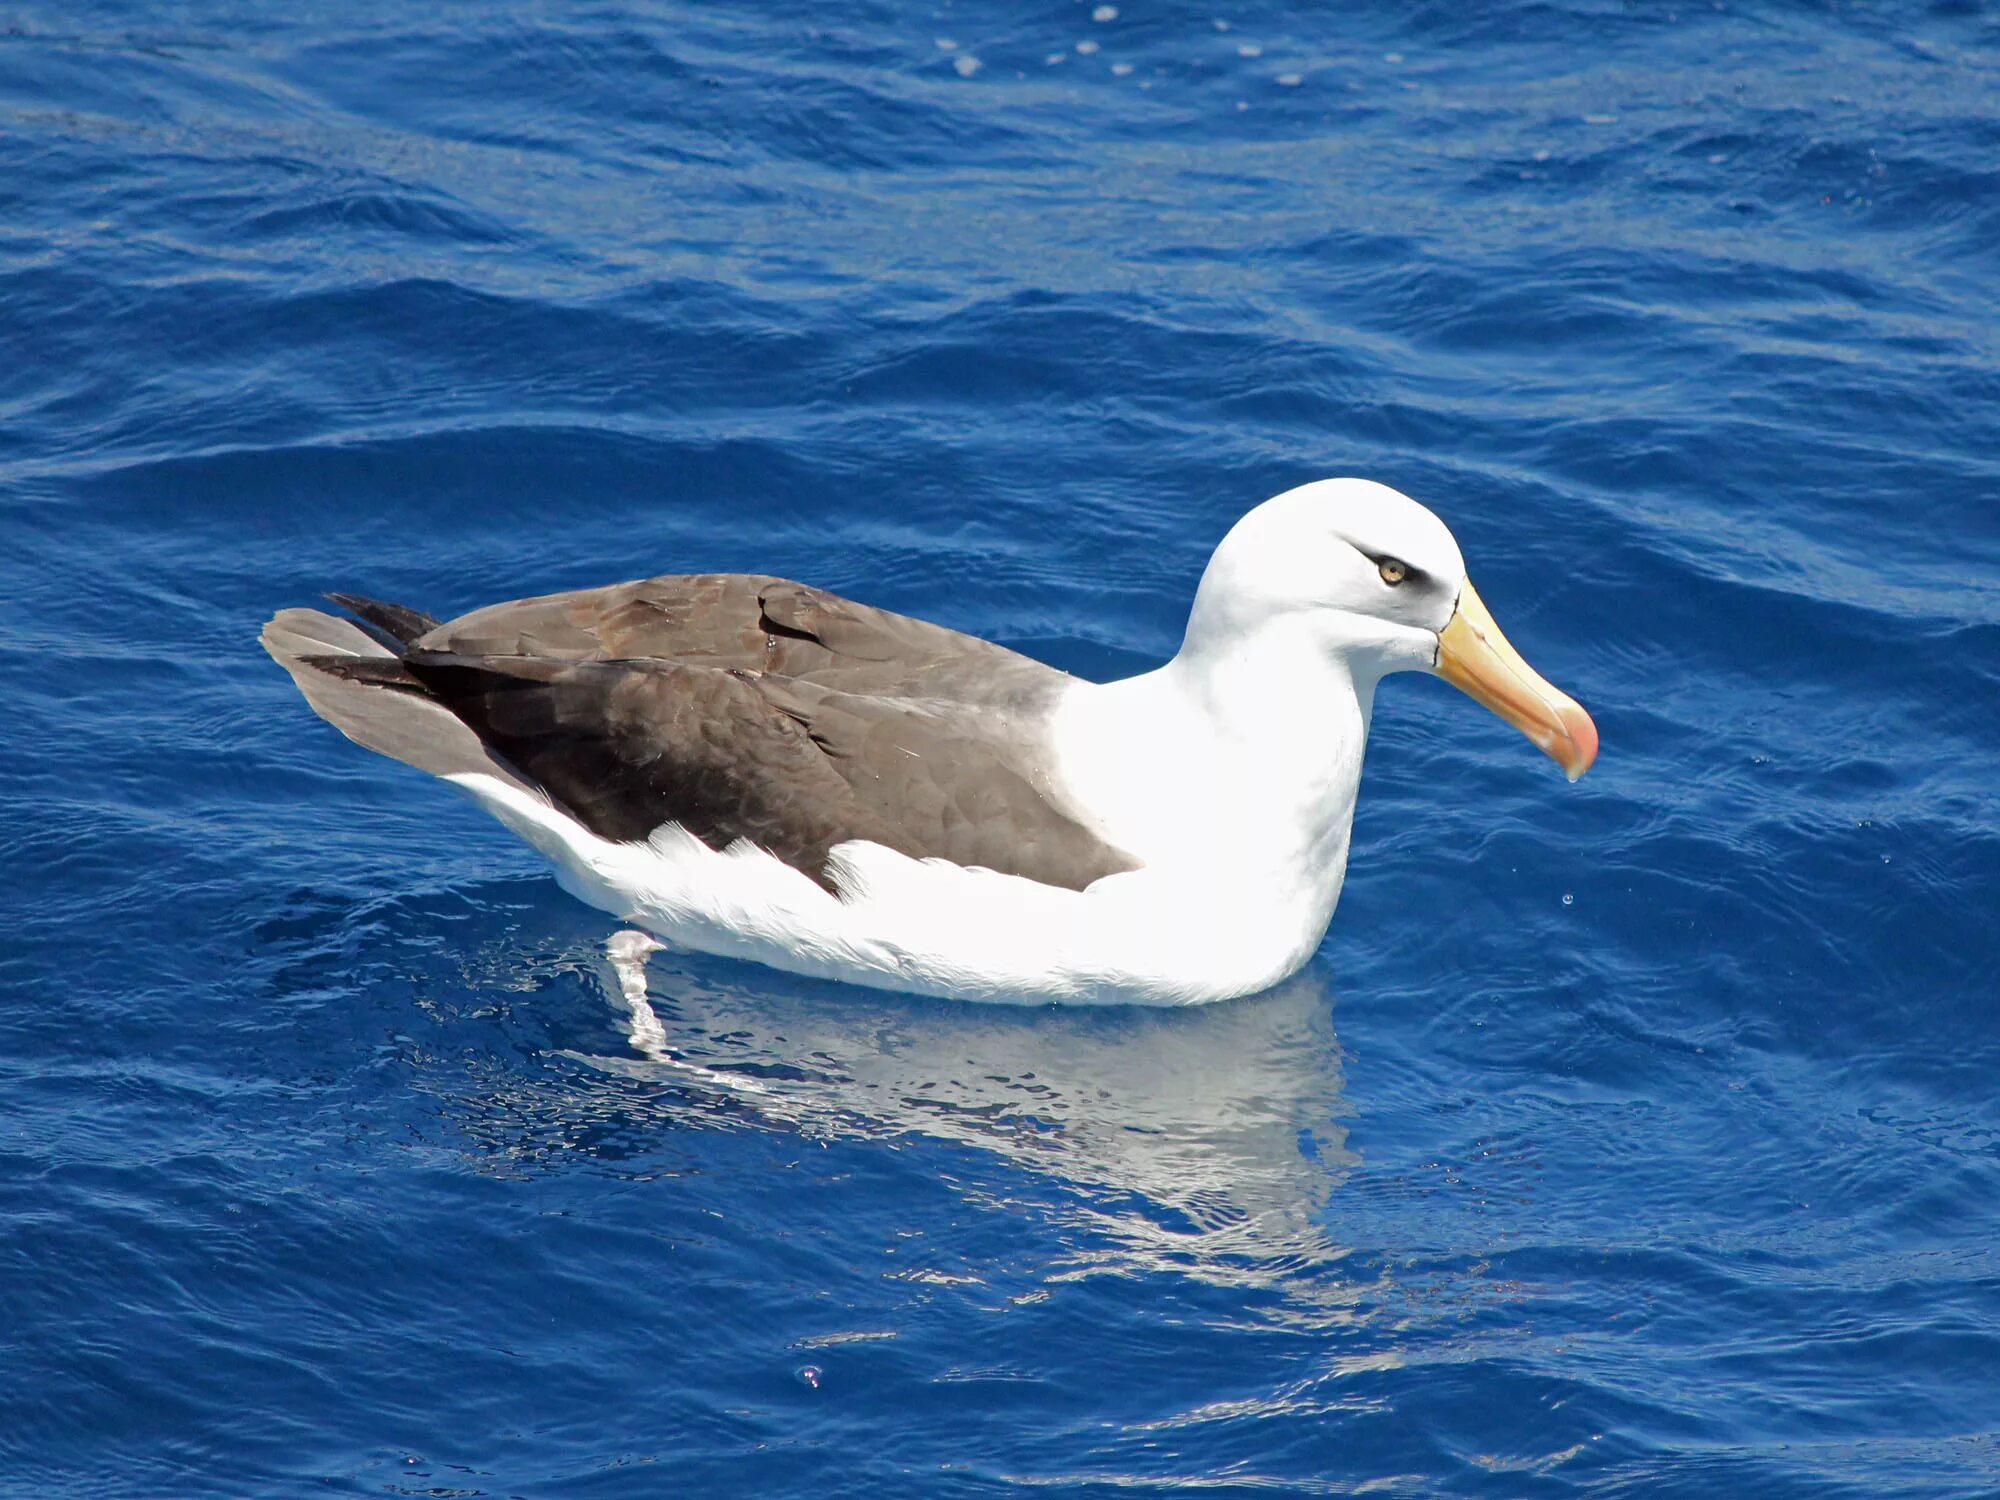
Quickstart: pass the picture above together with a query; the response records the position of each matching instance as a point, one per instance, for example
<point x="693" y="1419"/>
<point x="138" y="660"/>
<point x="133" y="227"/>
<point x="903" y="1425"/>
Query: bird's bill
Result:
<point x="1474" y="656"/>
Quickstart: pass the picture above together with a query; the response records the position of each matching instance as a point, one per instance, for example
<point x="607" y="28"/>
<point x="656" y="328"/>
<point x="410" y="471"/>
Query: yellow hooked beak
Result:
<point x="1473" y="655"/>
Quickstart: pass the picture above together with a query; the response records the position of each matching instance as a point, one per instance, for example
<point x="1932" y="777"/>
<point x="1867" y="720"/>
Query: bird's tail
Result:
<point x="351" y="674"/>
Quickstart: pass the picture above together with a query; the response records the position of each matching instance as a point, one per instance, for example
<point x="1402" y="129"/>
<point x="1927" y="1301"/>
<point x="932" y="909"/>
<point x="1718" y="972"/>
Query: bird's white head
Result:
<point x="1363" y="574"/>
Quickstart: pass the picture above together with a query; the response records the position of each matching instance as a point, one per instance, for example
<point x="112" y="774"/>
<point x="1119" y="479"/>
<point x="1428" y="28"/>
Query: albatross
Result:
<point x="753" y="767"/>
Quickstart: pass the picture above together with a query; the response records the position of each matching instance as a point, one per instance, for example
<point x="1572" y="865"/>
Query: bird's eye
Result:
<point x="1392" y="571"/>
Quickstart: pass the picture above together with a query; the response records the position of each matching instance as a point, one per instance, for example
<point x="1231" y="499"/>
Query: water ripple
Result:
<point x="1636" y="1137"/>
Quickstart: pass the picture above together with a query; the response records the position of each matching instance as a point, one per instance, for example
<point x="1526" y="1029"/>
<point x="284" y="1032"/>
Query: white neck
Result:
<point x="1242" y="755"/>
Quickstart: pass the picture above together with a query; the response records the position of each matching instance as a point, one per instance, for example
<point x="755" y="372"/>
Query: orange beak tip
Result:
<point x="1583" y="737"/>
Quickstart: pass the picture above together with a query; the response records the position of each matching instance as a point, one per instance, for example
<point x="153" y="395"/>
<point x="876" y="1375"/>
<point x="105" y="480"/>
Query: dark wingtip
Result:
<point x="395" y="624"/>
<point x="382" y="671"/>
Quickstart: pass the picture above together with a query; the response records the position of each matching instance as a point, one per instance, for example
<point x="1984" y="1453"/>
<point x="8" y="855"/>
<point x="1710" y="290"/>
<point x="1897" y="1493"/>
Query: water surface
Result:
<point x="1636" y="1138"/>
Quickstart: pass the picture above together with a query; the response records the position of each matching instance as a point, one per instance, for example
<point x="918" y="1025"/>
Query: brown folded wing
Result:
<point x="753" y="708"/>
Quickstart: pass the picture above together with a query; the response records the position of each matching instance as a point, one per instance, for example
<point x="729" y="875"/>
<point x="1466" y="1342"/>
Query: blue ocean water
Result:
<point x="1635" y="1138"/>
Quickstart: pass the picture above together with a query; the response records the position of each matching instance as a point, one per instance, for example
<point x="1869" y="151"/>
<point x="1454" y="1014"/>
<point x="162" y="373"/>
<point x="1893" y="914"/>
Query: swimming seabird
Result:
<point x="753" y="767"/>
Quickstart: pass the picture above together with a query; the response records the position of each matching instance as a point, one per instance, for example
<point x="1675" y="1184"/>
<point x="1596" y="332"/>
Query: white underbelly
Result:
<point x="1146" y="937"/>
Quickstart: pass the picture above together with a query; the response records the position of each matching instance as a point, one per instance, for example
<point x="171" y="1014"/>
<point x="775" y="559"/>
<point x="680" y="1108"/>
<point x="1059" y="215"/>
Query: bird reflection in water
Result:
<point x="1205" y="1139"/>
